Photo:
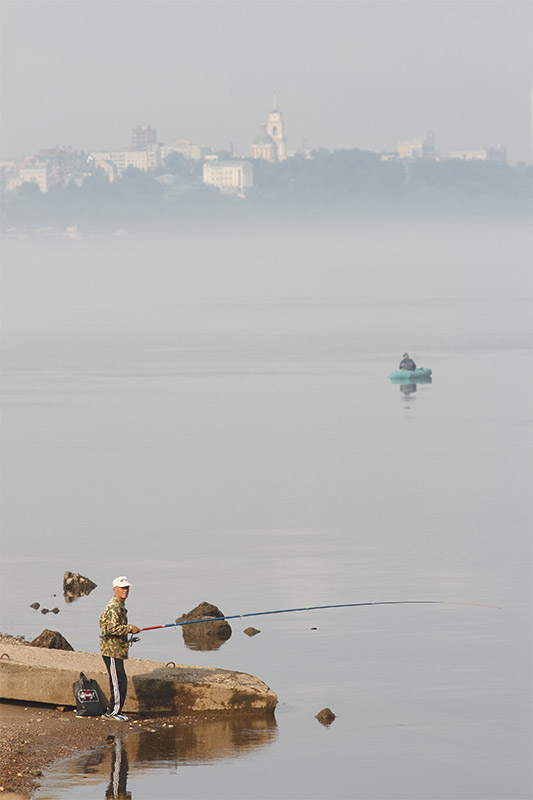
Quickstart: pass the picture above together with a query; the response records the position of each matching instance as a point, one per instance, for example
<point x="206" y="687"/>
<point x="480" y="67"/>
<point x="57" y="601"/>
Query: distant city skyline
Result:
<point x="347" y="74"/>
<point x="223" y="170"/>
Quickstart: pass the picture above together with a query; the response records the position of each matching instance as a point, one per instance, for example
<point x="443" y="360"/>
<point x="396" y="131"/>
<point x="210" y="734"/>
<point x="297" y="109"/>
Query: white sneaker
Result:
<point x="118" y="717"/>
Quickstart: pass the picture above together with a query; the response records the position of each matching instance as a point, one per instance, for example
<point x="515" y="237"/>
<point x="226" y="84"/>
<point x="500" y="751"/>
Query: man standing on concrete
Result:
<point x="114" y="646"/>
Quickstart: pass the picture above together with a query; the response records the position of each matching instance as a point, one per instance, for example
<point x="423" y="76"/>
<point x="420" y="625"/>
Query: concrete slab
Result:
<point x="38" y="675"/>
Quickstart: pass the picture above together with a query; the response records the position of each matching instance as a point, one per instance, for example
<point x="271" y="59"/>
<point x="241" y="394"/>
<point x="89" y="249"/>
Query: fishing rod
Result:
<point x="311" y="608"/>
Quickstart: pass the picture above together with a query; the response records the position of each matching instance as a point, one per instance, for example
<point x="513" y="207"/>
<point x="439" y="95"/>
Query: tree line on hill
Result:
<point x="344" y="186"/>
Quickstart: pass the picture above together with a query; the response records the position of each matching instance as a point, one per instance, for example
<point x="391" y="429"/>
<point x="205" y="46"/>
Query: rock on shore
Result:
<point x="53" y="640"/>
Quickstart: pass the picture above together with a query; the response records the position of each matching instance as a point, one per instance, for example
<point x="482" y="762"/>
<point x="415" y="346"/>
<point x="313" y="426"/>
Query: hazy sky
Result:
<point x="346" y="74"/>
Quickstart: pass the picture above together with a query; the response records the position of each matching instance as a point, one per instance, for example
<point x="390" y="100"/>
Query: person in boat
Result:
<point x="407" y="363"/>
<point x="114" y="646"/>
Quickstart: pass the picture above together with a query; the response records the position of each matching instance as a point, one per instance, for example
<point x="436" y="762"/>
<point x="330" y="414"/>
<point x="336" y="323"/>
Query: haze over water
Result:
<point x="211" y="416"/>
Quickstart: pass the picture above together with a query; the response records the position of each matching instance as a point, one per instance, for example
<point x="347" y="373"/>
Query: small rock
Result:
<point x="35" y="606"/>
<point x="325" y="717"/>
<point x="53" y="640"/>
<point x="251" y="631"/>
<point x="45" y="610"/>
<point x="55" y="610"/>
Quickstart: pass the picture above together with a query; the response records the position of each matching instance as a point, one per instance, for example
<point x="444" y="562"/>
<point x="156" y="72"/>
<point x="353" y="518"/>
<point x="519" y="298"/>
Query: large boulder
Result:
<point x="53" y="640"/>
<point x="76" y="585"/>
<point x="209" y="635"/>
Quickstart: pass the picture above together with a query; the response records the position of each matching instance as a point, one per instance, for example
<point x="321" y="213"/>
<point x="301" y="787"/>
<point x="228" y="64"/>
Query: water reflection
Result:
<point x="204" y="741"/>
<point x="409" y="386"/>
<point x="117" y="788"/>
<point x="193" y="742"/>
<point x="196" y="637"/>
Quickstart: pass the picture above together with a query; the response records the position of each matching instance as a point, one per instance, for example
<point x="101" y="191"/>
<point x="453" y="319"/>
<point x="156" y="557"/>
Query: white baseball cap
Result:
<point x="121" y="582"/>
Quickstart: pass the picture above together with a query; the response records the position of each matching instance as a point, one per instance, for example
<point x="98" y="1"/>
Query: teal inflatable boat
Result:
<point x="418" y="375"/>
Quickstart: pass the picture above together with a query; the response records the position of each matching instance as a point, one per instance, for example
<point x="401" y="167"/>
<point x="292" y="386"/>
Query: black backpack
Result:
<point x="87" y="700"/>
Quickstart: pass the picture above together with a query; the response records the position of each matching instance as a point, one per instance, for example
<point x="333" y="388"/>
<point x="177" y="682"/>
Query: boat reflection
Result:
<point x="409" y="385"/>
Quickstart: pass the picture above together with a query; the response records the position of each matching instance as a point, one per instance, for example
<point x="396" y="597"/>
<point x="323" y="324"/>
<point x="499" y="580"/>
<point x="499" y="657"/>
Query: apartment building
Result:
<point x="143" y="137"/>
<point x="145" y="160"/>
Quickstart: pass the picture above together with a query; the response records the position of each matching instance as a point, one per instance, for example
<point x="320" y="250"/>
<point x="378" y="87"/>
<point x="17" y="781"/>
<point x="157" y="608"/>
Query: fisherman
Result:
<point x="114" y="646"/>
<point x="407" y="363"/>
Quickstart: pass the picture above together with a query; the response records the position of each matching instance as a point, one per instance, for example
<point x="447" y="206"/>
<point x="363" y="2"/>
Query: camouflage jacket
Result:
<point x="115" y="629"/>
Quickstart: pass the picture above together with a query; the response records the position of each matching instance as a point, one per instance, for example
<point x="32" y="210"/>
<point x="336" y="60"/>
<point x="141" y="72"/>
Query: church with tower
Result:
<point x="270" y="142"/>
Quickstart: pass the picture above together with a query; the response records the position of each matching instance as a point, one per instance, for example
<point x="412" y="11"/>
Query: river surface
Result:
<point x="211" y="416"/>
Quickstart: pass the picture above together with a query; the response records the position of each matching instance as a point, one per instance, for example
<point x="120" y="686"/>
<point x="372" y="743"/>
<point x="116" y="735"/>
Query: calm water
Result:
<point x="211" y="416"/>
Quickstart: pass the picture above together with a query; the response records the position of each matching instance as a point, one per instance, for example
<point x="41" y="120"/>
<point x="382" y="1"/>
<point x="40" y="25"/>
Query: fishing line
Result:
<point x="313" y="608"/>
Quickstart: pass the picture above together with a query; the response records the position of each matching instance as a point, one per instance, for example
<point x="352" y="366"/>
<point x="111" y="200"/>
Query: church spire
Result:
<point x="275" y="129"/>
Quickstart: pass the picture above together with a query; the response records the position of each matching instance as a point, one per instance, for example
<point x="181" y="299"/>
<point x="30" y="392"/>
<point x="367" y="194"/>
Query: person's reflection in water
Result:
<point x="407" y="388"/>
<point x="117" y="789"/>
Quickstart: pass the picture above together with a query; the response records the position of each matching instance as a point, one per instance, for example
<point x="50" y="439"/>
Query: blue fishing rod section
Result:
<point x="318" y="608"/>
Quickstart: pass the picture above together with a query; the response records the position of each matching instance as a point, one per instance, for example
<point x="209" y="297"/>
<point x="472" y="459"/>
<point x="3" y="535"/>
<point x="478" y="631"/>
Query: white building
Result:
<point x="488" y="154"/>
<point x="145" y="160"/>
<point x="418" y="148"/>
<point x="38" y="175"/>
<point x="229" y="177"/>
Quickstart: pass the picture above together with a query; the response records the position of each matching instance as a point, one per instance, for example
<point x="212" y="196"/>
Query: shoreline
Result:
<point x="34" y="737"/>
